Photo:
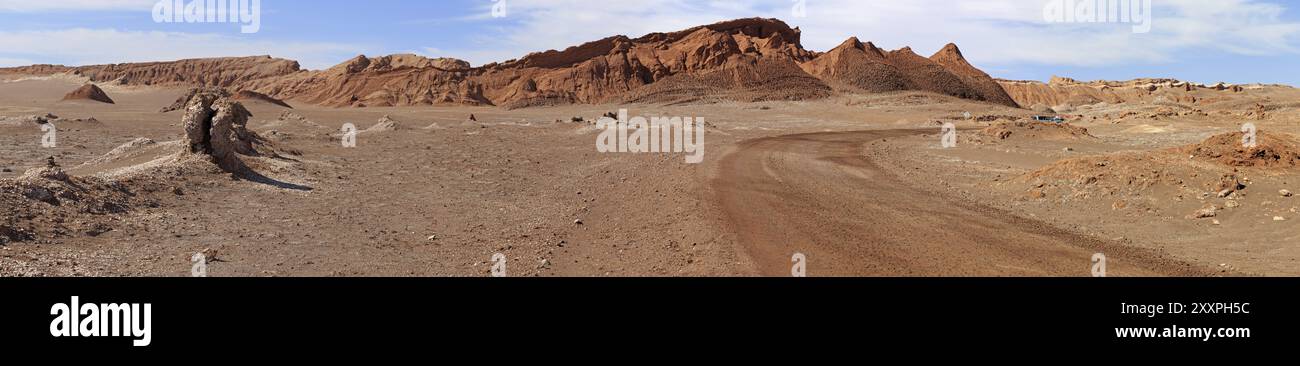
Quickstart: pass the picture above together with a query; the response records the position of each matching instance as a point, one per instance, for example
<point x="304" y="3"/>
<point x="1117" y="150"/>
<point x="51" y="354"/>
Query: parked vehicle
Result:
<point x="1053" y="119"/>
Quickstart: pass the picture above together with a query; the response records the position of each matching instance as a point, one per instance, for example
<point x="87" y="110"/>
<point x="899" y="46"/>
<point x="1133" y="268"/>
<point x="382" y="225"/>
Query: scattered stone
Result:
<point x="40" y="194"/>
<point x="1037" y="194"/>
<point x="1279" y="218"/>
<point x="210" y="255"/>
<point x="577" y="222"/>
<point x="1285" y="193"/>
<point x="1231" y="204"/>
<point x="98" y="229"/>
<point x="1228" y="185"/>
<point x="1204" y="213"/>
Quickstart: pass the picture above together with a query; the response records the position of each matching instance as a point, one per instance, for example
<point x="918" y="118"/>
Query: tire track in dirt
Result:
<point x="820" y="195"/>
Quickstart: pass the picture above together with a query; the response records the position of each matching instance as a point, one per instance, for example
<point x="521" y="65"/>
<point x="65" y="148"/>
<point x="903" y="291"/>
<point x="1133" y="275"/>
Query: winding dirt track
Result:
<point x="820" y="195"/>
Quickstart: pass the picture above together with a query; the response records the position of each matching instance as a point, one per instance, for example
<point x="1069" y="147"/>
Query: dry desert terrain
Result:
<point x="839" y="156"/>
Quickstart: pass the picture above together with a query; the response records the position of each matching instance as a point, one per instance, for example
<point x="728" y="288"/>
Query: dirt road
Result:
<point x="820" y="195"/>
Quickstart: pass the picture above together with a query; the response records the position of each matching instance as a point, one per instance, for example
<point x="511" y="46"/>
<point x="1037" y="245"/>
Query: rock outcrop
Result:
<point x="89" y="92"/>
<point x="1066" y="92"/>
<point x="745" y="60"/>
<point x="215" y="125"/>
<point x="985" y="87"/>
<point x="864" y="67"/>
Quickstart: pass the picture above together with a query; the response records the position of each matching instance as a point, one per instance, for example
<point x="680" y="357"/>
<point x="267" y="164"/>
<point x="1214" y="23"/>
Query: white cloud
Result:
<point x="993" y="33"/>
<point x="101" y="46"/>
<point x="74" y="5"/>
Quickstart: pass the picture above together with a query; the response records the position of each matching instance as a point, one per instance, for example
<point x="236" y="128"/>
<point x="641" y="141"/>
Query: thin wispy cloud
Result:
<point x="74" y="5"/>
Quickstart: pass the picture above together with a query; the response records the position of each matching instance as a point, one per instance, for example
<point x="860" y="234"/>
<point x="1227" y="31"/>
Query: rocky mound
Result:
<point x="744" y="59"/>
<point x="289" y="118"/>
<point x="1034" y="130"/>
<point x="47" y="202"/>
<point x="89" y="92"/>
<point x="858" y="66"/>
<point x="226" y="72"/>
<point x="986" y="88"/>
<point x="1270" y="150"/>
<point x="1066" y="92"/>
<point x="1213" y="179"/>
<point x="1160" y="182"/>
<point x="385" y="123"/>
<point x="854" y="64"/>
<point x="400" y="61"/>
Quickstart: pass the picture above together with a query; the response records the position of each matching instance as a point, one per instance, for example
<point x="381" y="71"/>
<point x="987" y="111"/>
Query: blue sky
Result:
<point x="1238" y="41"/>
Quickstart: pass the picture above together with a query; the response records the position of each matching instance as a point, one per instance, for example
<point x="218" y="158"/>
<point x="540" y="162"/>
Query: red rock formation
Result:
<point x="985" y="86"/>
<point x="1061" y="91"/>
<point x="745" y="59"/>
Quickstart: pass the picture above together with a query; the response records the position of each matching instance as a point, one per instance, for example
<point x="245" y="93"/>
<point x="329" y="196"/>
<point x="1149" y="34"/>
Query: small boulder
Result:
<point x="37" y="193"/>
<point x="1204" y="213"/>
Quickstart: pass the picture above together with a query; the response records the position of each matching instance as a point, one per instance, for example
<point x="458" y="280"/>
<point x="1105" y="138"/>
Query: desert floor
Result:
<point x="859" y="184"/>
